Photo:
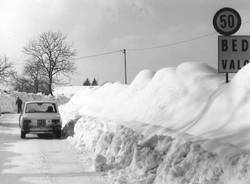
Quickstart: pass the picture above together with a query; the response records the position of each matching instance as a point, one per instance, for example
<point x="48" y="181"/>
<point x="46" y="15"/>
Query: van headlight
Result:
<point x="26" y="123"/>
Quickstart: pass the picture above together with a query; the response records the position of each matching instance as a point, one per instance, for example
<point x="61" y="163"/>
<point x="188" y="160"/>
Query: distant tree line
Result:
<point x="87" y="82"/>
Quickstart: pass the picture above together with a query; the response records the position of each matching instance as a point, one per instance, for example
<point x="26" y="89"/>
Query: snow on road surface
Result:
<point x="180" y="125"/>
<point x="41" y="161"/>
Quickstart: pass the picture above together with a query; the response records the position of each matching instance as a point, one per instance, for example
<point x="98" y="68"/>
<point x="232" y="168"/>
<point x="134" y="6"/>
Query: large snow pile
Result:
<point x="160" y="98"/>
<point x="8" y="99"/>
<point x="178" y="125"/>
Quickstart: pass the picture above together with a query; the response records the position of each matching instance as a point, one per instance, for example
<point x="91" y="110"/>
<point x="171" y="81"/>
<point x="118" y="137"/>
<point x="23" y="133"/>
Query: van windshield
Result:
<point x="40" y="108"/>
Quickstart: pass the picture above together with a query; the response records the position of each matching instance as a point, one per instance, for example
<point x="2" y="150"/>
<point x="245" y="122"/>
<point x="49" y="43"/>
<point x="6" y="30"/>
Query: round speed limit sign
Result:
<point x="227" y="21"/>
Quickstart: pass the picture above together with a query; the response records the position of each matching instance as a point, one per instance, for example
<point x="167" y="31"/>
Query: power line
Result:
<point x="173" y="44"/>
<point x="146" y="48"/>
<point x="97" y="55"/>
<point x="149" y="48"/>
<point x="179" y="42"/>
<point x="155" y="47"/>
<point x="246" y="22"/>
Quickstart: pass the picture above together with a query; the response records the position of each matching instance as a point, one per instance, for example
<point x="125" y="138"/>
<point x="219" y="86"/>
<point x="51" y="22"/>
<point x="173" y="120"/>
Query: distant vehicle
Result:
<point x="40" y="117"/>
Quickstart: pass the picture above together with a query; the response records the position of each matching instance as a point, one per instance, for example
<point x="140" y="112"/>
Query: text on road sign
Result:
<point x="233" y="53"/>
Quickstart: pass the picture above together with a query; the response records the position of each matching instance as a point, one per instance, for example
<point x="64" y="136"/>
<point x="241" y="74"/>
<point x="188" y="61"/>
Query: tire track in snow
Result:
<point x="210" y="100"/>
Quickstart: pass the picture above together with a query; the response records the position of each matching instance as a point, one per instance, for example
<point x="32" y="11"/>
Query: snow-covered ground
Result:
<point x="178" y="125"/>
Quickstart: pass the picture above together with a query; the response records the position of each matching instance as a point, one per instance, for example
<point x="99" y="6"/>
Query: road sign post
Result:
<point x="232" y="50"/>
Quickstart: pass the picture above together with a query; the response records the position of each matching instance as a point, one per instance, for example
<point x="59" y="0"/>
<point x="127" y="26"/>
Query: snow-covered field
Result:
<point x="178" y="125"/>
<point x="69" y="91"/>
<point x="8" y="99"/>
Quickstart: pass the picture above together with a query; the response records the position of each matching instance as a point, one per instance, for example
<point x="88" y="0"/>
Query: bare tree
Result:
<point x="6" y="69"/>
<point x="53" y="54"/>
<point x="25" y="84"/>
<point x="36" y="75"/>
<point x="22" y="84"/>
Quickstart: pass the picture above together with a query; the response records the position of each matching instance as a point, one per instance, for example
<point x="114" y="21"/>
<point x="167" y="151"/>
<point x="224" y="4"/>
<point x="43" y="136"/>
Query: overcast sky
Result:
<point x="97" y="26"/>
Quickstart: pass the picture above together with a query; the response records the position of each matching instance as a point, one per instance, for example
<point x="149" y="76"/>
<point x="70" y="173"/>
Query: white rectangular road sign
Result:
<point x="233" y="53"/>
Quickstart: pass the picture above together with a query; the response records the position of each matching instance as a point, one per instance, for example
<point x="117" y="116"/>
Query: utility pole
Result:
<point x="125" y="65"/>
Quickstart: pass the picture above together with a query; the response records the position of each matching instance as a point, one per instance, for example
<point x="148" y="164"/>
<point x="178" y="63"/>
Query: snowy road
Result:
<point x="40" y="161"/>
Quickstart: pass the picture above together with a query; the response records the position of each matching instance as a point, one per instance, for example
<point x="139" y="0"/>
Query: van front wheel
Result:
<point x="58" y="134"/>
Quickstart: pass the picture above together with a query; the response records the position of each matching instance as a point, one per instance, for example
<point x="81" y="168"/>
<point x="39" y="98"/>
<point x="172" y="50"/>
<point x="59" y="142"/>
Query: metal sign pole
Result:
<point x="227" y="78"/>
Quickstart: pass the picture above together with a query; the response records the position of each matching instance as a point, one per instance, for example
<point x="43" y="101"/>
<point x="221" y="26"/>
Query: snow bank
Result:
<point x="152" y="154"/>
<point x="152" y="98"/>
<point x="178" y="125"/>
